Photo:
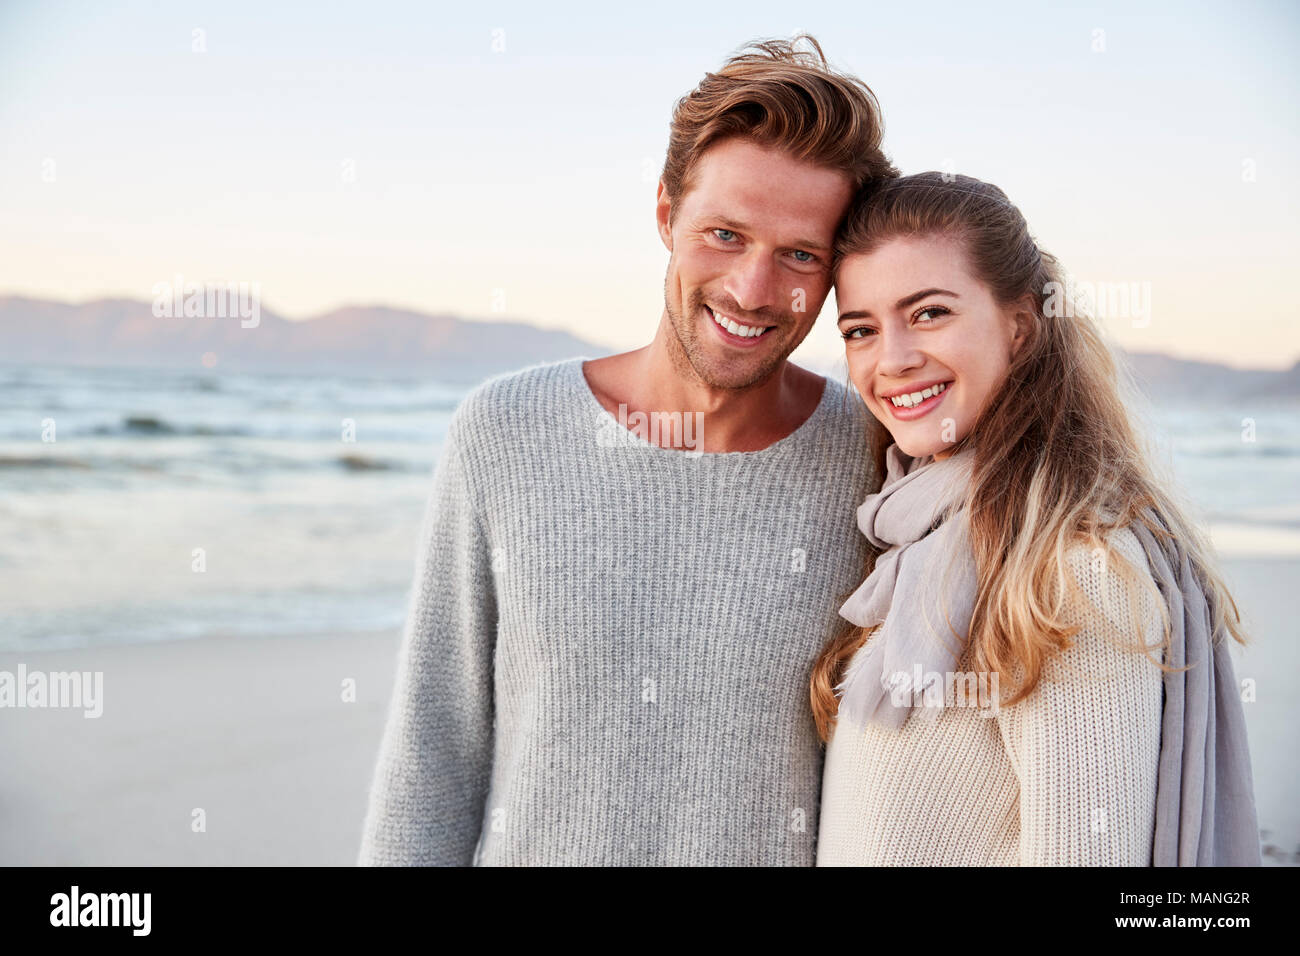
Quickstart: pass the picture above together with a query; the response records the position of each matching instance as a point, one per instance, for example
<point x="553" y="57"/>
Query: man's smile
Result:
<point x="735" y="331"/>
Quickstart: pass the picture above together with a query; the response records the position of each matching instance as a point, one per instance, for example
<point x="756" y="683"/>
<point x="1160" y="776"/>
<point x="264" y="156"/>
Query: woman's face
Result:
<point x="925" y="341"/>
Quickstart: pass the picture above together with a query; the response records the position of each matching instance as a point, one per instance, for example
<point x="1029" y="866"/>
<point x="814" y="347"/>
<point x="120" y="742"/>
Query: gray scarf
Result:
<point x="1205" y="803"/>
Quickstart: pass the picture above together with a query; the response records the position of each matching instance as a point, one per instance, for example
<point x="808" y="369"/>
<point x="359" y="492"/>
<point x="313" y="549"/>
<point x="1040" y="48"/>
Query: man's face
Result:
<point x="751" y="247"/>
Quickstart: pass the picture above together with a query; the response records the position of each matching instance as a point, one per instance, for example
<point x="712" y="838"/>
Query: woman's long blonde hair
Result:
<point x="1057" y="459"/>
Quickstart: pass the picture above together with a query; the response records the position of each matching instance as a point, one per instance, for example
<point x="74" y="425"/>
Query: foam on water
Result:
<point x="99" y="529"/>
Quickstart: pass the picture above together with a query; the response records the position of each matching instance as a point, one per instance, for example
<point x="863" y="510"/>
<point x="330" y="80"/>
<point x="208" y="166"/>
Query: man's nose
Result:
<point x="751" y="282"/>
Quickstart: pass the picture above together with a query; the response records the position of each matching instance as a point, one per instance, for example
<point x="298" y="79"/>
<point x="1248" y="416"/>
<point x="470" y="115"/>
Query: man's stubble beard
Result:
<point x="688" y="356"/>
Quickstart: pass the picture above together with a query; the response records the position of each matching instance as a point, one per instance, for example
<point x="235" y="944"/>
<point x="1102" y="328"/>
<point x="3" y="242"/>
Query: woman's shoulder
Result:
<point x="1114" y="593"/>
<point x="1093" y="561"/>
<point x="1111" y="661"/>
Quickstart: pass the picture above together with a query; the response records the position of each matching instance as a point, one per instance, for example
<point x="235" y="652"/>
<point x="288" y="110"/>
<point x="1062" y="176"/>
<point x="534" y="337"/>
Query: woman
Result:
<point x="1039" y="672"/>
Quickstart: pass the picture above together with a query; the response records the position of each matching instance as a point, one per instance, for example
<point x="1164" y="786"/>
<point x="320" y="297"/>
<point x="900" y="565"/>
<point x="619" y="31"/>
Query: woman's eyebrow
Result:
<point x="902" y="303"/>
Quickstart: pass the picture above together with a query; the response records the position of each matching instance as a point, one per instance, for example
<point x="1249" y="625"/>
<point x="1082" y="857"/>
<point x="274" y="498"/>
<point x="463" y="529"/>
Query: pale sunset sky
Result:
<point x="427" y="155"/>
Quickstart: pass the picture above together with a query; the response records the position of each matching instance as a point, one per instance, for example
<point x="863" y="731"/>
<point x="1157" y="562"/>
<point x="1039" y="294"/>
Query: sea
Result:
<point x="147" y="505"/>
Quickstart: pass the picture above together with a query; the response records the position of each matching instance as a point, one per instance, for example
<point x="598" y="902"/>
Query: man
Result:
<point x="629" y="564"/>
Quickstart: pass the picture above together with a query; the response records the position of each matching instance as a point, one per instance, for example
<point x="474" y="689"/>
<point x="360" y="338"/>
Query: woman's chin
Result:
<point x="916" y="439"/>
<point x="914" y="446"/>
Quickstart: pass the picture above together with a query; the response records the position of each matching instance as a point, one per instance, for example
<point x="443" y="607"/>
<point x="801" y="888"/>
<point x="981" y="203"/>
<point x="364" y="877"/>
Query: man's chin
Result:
<point x="719" y="366"/>
<point x="732" y="371"/>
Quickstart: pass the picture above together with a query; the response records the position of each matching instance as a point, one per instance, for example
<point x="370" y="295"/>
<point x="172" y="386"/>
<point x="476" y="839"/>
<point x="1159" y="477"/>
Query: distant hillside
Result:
<point x="369" y="339"/>
<point x="123" y="332"/>
<point x="1160" y="374"/>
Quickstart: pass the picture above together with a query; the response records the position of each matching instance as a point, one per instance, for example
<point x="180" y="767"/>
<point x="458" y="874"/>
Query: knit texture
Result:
<point x="607" y="650"/>
<point x="1065" y="777"/>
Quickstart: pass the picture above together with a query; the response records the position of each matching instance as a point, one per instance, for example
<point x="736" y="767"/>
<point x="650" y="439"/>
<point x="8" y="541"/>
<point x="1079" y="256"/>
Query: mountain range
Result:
<point x="354" y="339"/>
<point x="378" y="339"/>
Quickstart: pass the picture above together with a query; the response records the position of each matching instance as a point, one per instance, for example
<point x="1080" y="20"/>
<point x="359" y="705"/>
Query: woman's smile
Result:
<point x="910" y="403"/>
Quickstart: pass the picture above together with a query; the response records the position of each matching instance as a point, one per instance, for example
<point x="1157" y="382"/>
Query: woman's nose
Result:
<point x="898" y="353"/>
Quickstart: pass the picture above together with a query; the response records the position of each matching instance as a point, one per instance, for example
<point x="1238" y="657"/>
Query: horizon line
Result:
<point x="503" y="320"/>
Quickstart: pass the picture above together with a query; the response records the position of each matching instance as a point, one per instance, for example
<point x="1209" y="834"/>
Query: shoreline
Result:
<point x="256" y="734"/>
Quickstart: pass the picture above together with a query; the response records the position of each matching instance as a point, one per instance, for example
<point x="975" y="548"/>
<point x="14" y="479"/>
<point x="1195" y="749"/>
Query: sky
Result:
<point x="498" y="161"/>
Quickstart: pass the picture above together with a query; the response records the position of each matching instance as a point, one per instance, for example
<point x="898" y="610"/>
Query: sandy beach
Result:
<point x="256" y="733"/>
<point x="252" y="731"/>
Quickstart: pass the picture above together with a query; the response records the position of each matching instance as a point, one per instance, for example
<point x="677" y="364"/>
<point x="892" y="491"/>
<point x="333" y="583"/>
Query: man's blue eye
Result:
<point x="720" y="234"/>
<point x="800" y="252"/>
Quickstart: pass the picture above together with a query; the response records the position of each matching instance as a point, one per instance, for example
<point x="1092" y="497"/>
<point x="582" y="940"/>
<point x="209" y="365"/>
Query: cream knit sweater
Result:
<point x="1065" y="777"/>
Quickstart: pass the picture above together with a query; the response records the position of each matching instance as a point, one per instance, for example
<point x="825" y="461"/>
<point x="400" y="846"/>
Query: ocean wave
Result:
<point x="1240" y="450"/>
<point x="33" y="461"/>
<point x="363" y="463"/>
<point x="144" y="425"/>
<point x="191" y="466"/>
<point x="260" y="427"/>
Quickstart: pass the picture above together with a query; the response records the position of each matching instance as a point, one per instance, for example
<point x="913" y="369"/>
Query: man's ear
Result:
<point x="663" y="212"/>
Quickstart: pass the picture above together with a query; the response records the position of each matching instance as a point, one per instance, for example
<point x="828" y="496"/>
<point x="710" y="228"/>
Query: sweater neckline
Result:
<point x="807" y="427"/>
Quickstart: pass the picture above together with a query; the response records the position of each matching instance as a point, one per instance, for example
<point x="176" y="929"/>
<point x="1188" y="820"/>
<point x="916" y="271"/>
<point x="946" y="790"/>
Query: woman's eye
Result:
<point x="726" y="235"/>
<point x="937" y="309"/>
<point x="853" y="333"/>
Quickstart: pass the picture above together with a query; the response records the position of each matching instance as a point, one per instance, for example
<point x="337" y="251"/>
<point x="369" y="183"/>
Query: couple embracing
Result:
<point x="944" y="616"/>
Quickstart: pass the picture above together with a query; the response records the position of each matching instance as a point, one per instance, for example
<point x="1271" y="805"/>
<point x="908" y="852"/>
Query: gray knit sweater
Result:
<point x="608" y="643"/>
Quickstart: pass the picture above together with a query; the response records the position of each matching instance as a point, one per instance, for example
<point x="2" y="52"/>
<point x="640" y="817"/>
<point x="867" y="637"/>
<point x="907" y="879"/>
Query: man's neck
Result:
<point x="659" y="379"/>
